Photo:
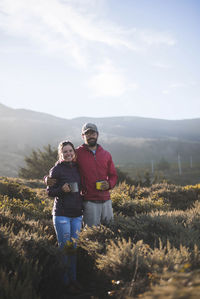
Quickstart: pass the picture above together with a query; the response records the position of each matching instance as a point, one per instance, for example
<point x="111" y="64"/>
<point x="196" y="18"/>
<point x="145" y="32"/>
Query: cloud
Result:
<point x="165" y="91"/>
<point x="161" y="65"/>
<point x="61" y="26"/>
<point x="82" y="35"/>
<point x="72" y="28"/>
<point x="157" y="38"/>
<point x="179" y="85"/>
<point x="109" y="81"/>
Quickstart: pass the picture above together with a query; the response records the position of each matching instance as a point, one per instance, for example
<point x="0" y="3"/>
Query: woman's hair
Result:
<point x="60" y="148"/>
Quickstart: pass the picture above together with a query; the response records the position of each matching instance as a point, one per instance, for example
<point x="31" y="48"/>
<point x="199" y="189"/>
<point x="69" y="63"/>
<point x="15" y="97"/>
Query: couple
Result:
<point x="84" y="167"/>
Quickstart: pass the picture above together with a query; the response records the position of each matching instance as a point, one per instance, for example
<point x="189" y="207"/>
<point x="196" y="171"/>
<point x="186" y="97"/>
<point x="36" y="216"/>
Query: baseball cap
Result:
<point x="89" y="126"/>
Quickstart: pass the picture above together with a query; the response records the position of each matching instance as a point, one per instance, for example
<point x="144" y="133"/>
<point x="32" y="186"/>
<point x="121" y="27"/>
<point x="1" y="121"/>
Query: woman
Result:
<point x="67" y="209"/>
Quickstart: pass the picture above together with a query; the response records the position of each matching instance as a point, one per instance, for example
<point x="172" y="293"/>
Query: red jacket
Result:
<point x="95" y="167"/>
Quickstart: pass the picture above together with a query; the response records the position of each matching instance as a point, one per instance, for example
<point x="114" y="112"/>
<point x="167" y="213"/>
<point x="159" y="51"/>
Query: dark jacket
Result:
<point x="66" y="203"/>
<point x="95" y="167"/>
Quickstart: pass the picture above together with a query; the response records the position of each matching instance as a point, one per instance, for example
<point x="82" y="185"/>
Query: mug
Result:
<point x="73" y="187"/>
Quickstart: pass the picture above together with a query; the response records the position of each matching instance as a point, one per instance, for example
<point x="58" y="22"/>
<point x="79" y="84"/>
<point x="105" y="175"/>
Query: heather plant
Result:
<point x="35" y="260"/>
<point x="152" y="244"/>
<point x="26" y="207"/>
<point x="22" y="200"/>
<point x="32" y="258"/>
<point x="16" y="276"/>
<point x="123" y="190"/>
<point x="17" y="190"/>
<point x="31" y="183"/>
<point x="175" y="285"/>
<point x="170" y="236"/>
<point x="133" y="266"/>
<point x="30" y="263"/>
<point x="13" y="287"/>
<point x="130" y="199"/>
<point x="123" y="258"/>
<point x="130" y="207"/>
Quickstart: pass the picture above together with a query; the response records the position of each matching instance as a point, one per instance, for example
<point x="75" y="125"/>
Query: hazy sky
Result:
<point x="101" y="58"/>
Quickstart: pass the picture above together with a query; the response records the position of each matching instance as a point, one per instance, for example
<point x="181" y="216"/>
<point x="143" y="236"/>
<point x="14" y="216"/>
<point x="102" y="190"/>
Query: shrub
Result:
<point x="154" y="236"/>
<point x="16" y="190"/>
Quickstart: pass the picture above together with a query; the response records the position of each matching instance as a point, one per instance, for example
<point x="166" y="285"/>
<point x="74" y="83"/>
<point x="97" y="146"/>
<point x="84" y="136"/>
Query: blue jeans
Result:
<point x="67" y="228"/>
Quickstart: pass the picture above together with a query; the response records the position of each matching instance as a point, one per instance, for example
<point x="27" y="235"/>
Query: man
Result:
<point x="95" y="164"/>
<point x="98" y="176"/>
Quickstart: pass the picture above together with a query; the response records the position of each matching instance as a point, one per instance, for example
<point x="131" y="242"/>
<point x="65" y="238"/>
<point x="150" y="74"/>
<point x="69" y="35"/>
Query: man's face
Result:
<point x="90" y="138"/>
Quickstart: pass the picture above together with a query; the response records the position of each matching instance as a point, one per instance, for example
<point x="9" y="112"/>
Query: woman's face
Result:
<point x="68" y="153"/>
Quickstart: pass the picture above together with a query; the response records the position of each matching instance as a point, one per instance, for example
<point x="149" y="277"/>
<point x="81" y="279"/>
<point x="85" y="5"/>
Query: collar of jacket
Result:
<point x="85" y="146"/>
<point x="63" y="162"/>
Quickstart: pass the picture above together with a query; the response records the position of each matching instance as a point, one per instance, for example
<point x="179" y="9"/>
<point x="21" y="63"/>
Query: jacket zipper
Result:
<point x="95" y="159"/>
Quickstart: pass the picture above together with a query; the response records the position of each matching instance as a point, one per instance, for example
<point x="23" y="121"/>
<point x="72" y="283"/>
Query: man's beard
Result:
<point x="92" y="141"/>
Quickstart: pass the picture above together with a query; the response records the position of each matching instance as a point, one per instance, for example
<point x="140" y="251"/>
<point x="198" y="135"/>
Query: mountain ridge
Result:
<point x="130" y="139"/>
<point x="5" y="107"/>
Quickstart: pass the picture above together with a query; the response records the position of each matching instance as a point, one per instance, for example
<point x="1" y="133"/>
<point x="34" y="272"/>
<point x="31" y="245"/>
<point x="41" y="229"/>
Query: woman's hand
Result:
<point x="66" y="188"/>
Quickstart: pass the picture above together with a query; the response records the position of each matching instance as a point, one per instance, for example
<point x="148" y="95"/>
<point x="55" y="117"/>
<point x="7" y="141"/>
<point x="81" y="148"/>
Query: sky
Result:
<point x="101" y="58"/>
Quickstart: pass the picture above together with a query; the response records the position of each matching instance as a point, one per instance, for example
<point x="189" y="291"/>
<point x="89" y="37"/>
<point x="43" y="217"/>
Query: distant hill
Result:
<point x="131" y="140"/>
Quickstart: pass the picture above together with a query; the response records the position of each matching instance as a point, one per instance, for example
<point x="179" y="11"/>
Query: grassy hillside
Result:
<point x="151" y="250"/>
